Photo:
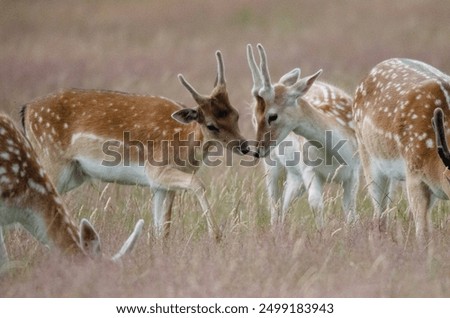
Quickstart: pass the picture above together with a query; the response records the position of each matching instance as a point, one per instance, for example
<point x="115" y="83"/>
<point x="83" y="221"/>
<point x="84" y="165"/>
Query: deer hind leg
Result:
<point x="272" y="177"/>
<point x="172" y="179"/>
<point x="162" y="211"/>
<point x="420" y="202"/>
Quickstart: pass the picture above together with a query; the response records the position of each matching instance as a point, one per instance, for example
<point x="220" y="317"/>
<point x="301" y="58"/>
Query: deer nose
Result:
<point x="261" y="150"/>
<point x="245" y="149"/>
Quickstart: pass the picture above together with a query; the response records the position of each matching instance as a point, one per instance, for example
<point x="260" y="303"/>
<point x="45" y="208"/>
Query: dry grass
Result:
<point x="140" y="46"/>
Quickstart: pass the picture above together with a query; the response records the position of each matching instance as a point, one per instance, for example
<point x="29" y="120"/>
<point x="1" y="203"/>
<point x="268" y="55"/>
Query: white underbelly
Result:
<point x="133" y="174"/>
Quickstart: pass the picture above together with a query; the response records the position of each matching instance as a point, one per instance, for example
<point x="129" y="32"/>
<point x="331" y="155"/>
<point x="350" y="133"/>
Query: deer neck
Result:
<point x="200" y="152"/>
<point x="310" y="123"/>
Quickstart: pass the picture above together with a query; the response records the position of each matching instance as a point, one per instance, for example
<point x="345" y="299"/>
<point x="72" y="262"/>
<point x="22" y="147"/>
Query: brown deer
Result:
<point x="28" y="197"/>
<point x="133" y="139"/>
<point x="392" y="110"/>
<point x="301" y="111"/>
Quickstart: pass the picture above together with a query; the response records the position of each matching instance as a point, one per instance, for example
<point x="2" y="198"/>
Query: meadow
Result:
<point x="140" y="47"/>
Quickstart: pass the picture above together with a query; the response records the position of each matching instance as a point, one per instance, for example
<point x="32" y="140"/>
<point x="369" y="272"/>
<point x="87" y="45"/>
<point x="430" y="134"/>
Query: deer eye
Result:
<point x="211" y="127"/>
<point x="272" y="118"/>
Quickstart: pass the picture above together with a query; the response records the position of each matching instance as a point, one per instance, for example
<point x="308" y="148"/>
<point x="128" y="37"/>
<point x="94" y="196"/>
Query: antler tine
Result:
<point x="264" y="67"/>
<point x="256" y="75"/>
<point x="441" y="141"/>
<point x="198" y="97"/>
<point x="220" y="69"/>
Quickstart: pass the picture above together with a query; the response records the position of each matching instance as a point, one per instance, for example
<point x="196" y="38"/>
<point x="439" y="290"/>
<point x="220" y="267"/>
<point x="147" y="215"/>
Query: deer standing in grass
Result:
<point x="167" y="142"/>
<point x="28" y="197"/>
<point x="393" y="109"/>
<point x="303" y="110"/>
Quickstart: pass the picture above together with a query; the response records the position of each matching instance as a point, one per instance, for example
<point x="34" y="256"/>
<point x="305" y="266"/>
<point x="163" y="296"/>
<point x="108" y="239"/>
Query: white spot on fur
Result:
<point x="48" y="185"/>
<point x="36" y="186"/>
<point x="5" y="180"/>
<point x="57" y="200"/>
<point x="15" y="168"/>
<point x="77" y="136"/>
<point x="430" y="143"/>
<point x="340" y="121"/>
<point x="5" y="155"/>
<point x="422" y="136"/>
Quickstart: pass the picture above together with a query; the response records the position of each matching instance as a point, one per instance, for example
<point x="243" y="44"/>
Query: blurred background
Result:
<point x="140" y="46"/>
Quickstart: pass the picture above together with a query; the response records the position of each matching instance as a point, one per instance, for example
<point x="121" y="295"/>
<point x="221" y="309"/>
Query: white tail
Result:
<point x="132" y="139"/>
<point x="393" y="109"/>
<point x="28" y="197"/>
<point x="308" y="109"/>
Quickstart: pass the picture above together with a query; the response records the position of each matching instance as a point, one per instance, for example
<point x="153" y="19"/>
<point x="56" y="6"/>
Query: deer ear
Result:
<point x="89" y="239"/>
<point x="302" y="86"/>
<point x="186" y="116"/>
<point x="291" y="77"/>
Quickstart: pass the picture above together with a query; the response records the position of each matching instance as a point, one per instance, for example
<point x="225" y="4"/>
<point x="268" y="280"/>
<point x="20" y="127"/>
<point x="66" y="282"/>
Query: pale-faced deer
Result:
<point x="77" y="132"/>
<point x="28" y="197"/>
<point x="304" y="111"/>
<point x="392" y="111"/>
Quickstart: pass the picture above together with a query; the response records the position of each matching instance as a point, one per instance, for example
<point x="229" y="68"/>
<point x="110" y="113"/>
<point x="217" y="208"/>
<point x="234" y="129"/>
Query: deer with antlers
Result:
<point x="28" y="197"/>
<point x="392" y="110"/>
<point x="303" y="110"/>
<point x="159" y="143"/>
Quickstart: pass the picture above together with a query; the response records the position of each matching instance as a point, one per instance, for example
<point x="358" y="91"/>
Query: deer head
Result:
<point x="217" y="118"/>
<point x="276" y="108"/>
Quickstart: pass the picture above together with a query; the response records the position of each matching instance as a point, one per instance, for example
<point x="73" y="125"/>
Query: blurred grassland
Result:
<point x="140" y="47"/>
